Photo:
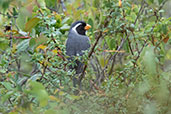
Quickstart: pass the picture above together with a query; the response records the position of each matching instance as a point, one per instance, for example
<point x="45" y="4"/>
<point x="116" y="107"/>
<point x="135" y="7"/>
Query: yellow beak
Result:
<point x="87" y="27"/>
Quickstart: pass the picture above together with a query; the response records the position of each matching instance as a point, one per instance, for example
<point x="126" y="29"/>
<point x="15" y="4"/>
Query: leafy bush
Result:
<point x="127" y="68"/>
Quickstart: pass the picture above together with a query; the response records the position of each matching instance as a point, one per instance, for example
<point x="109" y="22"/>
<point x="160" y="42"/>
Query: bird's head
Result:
<point x="80" y="27"/>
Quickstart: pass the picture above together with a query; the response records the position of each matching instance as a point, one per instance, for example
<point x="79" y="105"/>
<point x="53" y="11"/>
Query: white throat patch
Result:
<point x="74" y="28"/>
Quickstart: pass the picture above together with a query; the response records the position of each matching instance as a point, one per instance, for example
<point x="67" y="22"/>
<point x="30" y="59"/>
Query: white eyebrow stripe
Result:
<point x="74" y="28"/>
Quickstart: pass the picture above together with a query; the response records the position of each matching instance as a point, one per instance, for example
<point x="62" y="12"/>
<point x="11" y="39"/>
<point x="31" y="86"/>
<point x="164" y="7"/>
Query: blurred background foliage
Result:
<point x="129" y="69"/>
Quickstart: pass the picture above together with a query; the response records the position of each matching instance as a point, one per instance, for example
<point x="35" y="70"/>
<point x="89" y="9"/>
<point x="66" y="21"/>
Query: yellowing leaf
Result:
<point x="15" y="32"/>
<point x="74" y="97"/>
<point x="61" y="93"/>
<point x="14" y="48"/>
<point x="55" y="51"/>
<point x="120" y="3"/>
<point x="31" y="23"/>
<point x="56" y="91"/>
<point x="41" y="47"/>
<point x="53" y="98"/>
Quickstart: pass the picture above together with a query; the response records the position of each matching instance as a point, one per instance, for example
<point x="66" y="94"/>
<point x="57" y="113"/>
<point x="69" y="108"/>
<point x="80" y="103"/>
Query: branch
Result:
<point x="100" y="35"/>
<point x="63" y="6"/>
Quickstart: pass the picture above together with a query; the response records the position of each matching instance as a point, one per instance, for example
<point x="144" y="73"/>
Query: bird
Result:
<point x="77" y="42"/>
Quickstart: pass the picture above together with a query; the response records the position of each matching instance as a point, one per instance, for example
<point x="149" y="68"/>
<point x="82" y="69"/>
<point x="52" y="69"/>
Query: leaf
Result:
<point x="58" y="20"/>
<point x="7" y="85"/>
<point x="34" y="42"/>
<point x="165" y="40"/>
<point x="35" y="77"/>
<point x="143" y="87"/>
<point x="38" y="91"/>
<point x="65" y="27"/>
<point x="55" y="51"/>
<point x="149" y="60"/>
<point x="7" y="95"/>
<point x="53" y="98"/>
<point x="41" y="47"/>
<point x="41" y="4"/>
<point x="4" y="43"/>
<point x="51" y="111"/>
<point x="120" y="3"/>
<point x="150" y="1"/>
<point x="150" y="108"/>
<point x="111" y="43"/>
<point x="61" y="93"/>
<point x="65" y="20"/>
<point x="164" y="28"/>
<point x="90" y="22"/>
<point x="23" y="45"/>
<point x="31" y="24"/>
<point x="122" y="51"/>
<point x="50" y="3"/>
<point x="160" y="1"/>
<point x="168" y="55"/>
<point x="22" y="17"/>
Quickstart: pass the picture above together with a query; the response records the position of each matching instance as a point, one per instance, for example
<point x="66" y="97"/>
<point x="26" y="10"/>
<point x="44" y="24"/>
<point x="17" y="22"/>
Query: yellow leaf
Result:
<point x="14" y="48"/>
<point x="41" y="47"/>
<point x="53" y="98"/>
<point x="61" y="93"/>
<point x="55" y="51"/>
<point x="120" y="3"/>
<point x="15" y="32"/>
<point x="56" y="91"/>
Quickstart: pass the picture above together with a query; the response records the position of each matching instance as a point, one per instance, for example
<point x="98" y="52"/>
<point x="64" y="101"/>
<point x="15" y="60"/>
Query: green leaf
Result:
<point x="143" y="87"/>
<point x="31" y="24"/>
<point x="50" y="3"/>
<point x="38" y="91"/>
<point x="150" y="1"/>
<point x="65" y="20"/>
<point x="32" y="42"/>
<point x="90" y="22"/>
<point x="7" y="95"/>
<point x="4" y="43"/>
<point x="42" y="4"/>
<point x="7" y="85"/>
<point x="150" y="108"/>
<point x="22" y="46"/>
<point x="51" y="111"/>
<point x="160" y="1"/>
<point x="111" y="43"/>
<point x="21" y="20"/>
<point x="65" y="27"/>
<point x="149" y="60"/>
<point x="37" y="41"/>
<point x="164" y="29"/>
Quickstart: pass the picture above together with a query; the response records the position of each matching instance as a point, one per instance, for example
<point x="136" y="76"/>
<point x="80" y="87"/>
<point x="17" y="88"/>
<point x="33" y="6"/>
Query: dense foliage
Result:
<point x="126" y="70"/>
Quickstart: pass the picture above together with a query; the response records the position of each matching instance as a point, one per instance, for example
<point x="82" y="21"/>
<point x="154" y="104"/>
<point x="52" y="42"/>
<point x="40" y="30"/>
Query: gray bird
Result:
<point x="76" y="44"/>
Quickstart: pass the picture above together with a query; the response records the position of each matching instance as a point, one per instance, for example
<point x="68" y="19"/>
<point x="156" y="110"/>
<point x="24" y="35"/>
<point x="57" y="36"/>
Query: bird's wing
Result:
<point x="76" y="44"/>
<point x="83" y="45"/>
<point x="70" y="47"/>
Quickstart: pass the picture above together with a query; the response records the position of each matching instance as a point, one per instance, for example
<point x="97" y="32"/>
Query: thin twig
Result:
<point x="63" y="6"/>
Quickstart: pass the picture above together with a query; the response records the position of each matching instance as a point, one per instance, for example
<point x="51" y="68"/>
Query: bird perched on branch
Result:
<point x="76" y="44"/>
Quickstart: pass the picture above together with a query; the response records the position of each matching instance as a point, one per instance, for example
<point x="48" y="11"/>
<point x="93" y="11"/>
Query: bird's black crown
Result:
<point x="81" y="28"/>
